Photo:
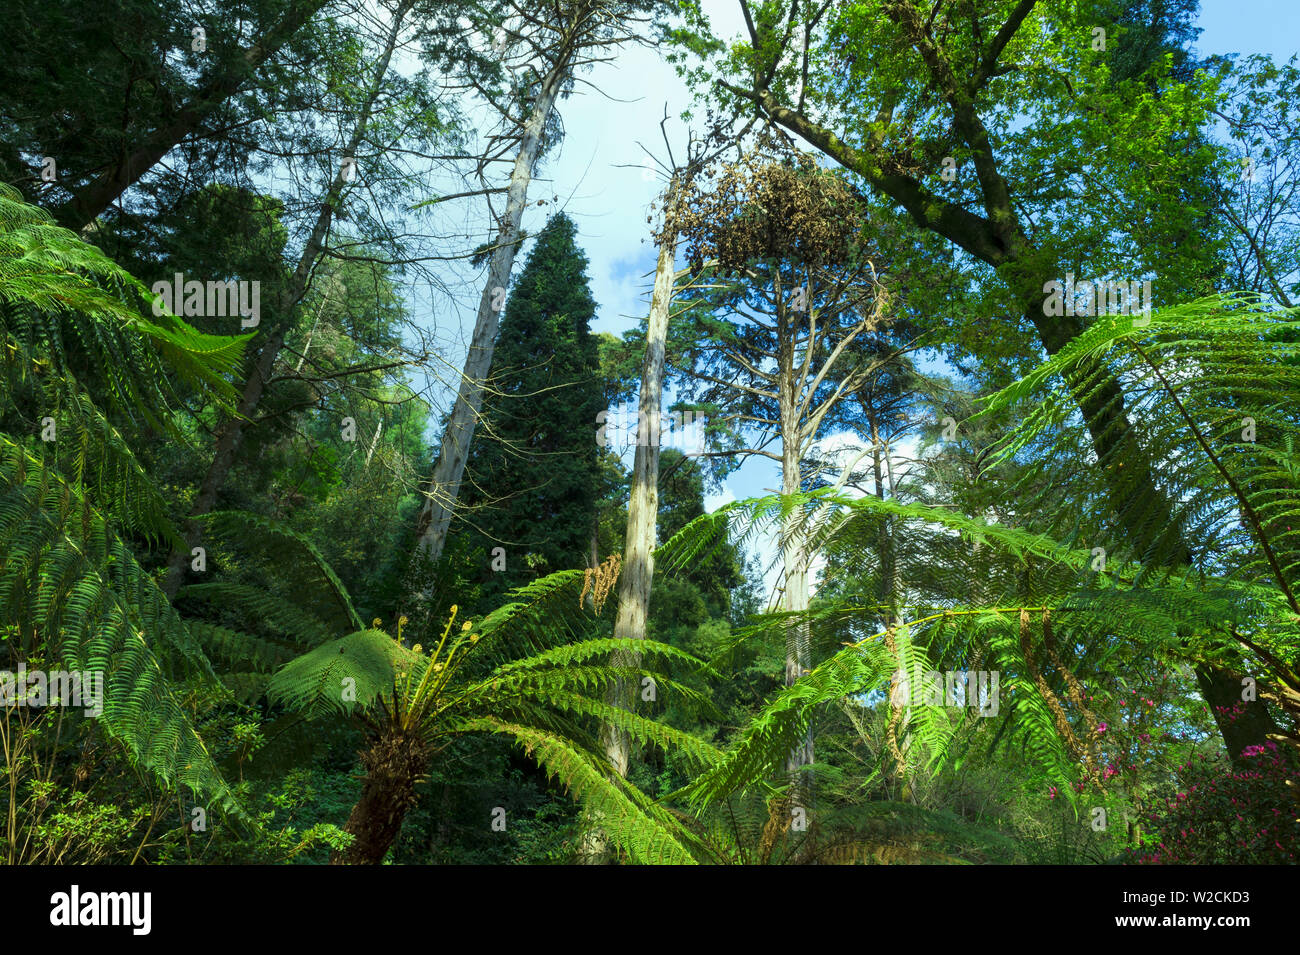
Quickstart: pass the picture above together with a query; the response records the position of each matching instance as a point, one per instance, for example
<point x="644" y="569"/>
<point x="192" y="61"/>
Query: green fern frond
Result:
<point x="294" y="560"/>
<point x="69" y="586"/>
<point x="343" y="675"/>
<point x="648" y="833"/>
<point x="298" y="626"/>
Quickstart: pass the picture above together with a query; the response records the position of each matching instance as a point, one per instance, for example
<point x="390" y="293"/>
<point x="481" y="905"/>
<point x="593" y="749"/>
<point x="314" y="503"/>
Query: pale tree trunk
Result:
<point x="896" y="586"/>
<point x="374" y="442"/>
<point x="334" y="282"/>
<point x="444" y="484"/>
<point x="643" y="504"/>
<point x="794" y="557"/>
<point x="642" y="510"/>
<point x="798" y="656"/>
<point x="231" y="432"/>
<point x="794" y="530"/>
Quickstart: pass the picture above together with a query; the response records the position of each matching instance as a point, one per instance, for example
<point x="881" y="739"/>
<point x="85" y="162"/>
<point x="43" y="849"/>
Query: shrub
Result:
<point x="1224" y="814"/>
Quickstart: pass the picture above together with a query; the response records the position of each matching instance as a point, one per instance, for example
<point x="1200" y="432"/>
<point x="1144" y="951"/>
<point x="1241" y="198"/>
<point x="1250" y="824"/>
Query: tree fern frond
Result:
<point x="295" y="560"/>
<point x="70" y="587"/>
<point x="272" y="613"/>
<point x="648" y="833"/>
<point x="344" y="674"/>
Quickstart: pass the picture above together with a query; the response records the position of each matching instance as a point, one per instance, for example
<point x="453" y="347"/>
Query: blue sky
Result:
<point x="1250" y="26"/>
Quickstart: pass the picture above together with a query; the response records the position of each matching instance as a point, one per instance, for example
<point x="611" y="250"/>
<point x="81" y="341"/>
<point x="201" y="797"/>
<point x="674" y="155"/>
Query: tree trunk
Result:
<point x="794" y="549"/>
<point x="1222" y="690"/>
<point x="642" y="511"/>
<point x="230" y="434"/>
<point x="394" y="764"/>
<point x="444" y="484"/>
<point x="311" y="333"/>
<point x="643" y="504"/>
<point x="374" y="442"/>
<point x="794" y="557"/>
<point x="889" y="592"/>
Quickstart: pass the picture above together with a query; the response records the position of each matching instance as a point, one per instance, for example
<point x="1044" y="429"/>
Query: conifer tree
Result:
<point x="531" y="479"/>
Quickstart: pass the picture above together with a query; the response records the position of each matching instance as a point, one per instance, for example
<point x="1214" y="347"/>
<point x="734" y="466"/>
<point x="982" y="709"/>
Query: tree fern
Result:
<point x="1048" y="614"/>
<point x="415" y="701"/>
<point x="1216" y="386"/>
<point x="71" y="589"/>
<point x="78" y="354"/>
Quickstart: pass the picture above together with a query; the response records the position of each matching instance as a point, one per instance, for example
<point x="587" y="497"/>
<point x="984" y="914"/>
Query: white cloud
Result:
<point x="714" y="501"/>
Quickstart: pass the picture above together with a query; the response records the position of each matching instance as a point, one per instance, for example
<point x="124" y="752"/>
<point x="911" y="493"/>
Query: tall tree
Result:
<point x="117" y="87"/>
<point x="290" y="289"/>
<point x="794" y="295"/>
<point x="531" y="477"/>
<point x="1002" y="110"/>
<point x="643" y="502"/>
<point x="567" y="37"/>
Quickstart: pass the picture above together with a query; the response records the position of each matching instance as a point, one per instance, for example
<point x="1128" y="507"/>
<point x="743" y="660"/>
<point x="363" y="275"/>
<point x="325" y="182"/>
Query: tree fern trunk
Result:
<point x="394" y="764"/>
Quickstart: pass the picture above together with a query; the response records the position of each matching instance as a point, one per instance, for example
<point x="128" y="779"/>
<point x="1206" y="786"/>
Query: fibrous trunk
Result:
<point x="394" y="764"/>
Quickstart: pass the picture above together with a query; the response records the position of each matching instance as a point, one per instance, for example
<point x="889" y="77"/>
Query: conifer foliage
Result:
<point x="532" y="473"/>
